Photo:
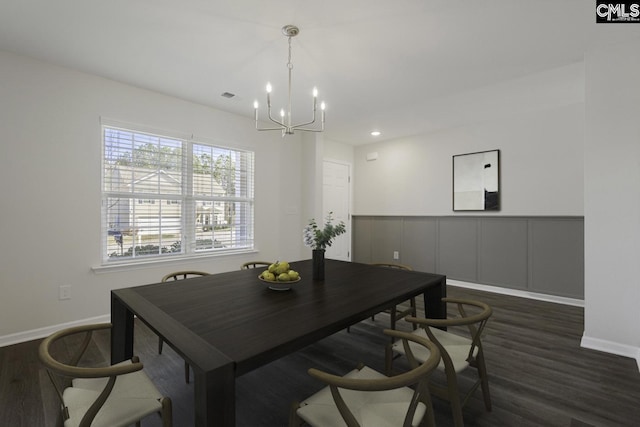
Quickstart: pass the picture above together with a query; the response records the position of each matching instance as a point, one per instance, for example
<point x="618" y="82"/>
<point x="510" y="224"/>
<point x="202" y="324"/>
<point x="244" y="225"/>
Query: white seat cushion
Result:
<point x="135" y="384"/>
<point x="456" y="346"/>
<point x="133" y="397"/>
<point x="116" y="411"/>
<point x="375" y="409"/>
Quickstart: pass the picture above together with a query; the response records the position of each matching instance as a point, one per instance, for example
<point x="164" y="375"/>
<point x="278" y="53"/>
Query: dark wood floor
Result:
<point x="539" y="375"/>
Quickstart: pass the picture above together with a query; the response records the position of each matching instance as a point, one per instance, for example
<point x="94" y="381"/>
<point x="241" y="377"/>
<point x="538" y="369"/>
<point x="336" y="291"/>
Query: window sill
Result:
<point x="147" y="263"/>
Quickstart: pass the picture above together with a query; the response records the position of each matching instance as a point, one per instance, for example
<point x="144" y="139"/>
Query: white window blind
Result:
<point x="165" y="197"/>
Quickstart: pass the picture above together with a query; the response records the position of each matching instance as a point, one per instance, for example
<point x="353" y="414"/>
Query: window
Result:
<point x="166" y="197"/>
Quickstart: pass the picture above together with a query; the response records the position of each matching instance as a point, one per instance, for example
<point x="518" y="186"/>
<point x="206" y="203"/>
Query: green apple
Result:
<point x="293" y="275"/>
<point x="268" y="276"/>
<point x="281" y="267"/>
<point x="283" y="277"/>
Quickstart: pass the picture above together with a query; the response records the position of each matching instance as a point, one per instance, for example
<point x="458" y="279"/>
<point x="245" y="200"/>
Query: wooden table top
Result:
<point x="237" y="317"/>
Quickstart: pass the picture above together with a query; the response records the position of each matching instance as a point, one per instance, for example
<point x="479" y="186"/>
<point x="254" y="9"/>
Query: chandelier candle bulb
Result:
<point x="269" y="96"/>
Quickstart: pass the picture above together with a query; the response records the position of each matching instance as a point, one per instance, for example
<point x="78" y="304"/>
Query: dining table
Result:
<point x="227" y="324"/>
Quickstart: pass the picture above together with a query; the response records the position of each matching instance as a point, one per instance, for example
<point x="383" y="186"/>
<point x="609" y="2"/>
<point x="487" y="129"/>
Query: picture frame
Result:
<point x="476" y="181"/>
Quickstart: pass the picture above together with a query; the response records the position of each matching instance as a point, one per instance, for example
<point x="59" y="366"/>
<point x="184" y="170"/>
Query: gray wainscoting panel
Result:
<point x="419" y="237"/>
<point x="557" y="257"/>
<point x="361" y="246"/>
<point x="538" y="254"/>
<point x="387" y="238"/>
<point x="503" y="252"/>
<point x="458" y="248"/>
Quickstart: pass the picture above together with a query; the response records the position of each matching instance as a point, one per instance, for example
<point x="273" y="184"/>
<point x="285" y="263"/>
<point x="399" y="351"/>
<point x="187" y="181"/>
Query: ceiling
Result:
<point x="378" y="64"/>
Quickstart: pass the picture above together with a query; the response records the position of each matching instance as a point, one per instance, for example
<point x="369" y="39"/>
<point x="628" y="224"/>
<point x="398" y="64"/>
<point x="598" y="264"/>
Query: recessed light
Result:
<point x="375" y="133"/>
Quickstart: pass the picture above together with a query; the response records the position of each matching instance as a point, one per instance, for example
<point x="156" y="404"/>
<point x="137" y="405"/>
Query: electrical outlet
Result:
<point x="396" y="255"/>
<point x="64" y="292"/>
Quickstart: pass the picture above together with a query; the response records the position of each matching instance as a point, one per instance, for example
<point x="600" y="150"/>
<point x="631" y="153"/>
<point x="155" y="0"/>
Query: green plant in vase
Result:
<point x="319" y="239"/>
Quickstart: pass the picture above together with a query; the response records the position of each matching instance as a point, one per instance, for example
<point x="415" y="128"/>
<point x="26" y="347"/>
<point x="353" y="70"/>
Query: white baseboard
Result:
<point x="611" y="347"/>
<point x="35" y="334"/>
<point x="517" y="293"/>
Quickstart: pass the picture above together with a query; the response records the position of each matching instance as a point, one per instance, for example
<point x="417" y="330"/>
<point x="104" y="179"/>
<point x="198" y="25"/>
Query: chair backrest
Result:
<point x="418" y="374"/>
<point x="472" y="314"/>
<point x="186" y="274"/>
<point x="69" y="369"/>
<point x="392" y="265"/>
<point x="255" y="264"/>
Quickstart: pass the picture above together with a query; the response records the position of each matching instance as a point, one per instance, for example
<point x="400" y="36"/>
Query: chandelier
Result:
<point x="284" y="123"/>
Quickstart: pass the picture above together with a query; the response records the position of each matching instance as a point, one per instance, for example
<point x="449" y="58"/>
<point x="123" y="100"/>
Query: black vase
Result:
<point x="318" y="264"/>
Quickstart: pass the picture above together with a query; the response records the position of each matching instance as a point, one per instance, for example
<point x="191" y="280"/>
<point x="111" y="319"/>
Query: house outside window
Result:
<point x="172" y="197"/>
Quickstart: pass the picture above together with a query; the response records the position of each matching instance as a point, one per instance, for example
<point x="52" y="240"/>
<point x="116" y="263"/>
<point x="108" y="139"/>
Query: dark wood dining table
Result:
<point x="227" y="324"/>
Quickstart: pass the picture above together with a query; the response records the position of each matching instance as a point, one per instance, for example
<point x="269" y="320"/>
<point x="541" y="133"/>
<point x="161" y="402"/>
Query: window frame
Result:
<point x="244" y="172"/>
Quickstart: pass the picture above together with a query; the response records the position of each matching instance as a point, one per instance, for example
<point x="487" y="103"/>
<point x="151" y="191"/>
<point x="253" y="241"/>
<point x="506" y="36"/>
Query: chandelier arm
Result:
<point x="310" y="130"/>
<point x="282" y="125"/>
<point x="274" y="120"/>
<point x="313" y="119"/>
<point x="303" y="124"/>
<point x="261" y="129"/>
<point x="298" y="126"/>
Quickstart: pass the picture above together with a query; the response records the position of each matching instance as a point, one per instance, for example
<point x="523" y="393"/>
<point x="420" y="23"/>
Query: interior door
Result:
<point x="336" y="198"/>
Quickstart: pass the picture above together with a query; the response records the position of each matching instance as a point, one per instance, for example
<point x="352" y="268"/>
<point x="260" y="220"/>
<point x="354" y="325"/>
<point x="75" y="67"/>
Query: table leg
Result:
<point x="121" y="331"/>
<point x="433" y="306"/>
<point x="215" y="397"/>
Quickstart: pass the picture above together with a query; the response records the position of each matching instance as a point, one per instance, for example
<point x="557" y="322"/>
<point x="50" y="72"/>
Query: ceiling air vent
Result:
<point x="228" y="95"/>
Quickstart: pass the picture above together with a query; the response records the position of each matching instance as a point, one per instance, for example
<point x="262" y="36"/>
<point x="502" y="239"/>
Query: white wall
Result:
<point x="612" y="200"/>
<point x="337" y="151"/>
<point x="540" y="141"/>
<point x="50" y="160"/>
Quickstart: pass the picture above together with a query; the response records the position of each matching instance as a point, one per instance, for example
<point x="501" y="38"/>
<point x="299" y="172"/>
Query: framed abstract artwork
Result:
<point x="476" y="181"/>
